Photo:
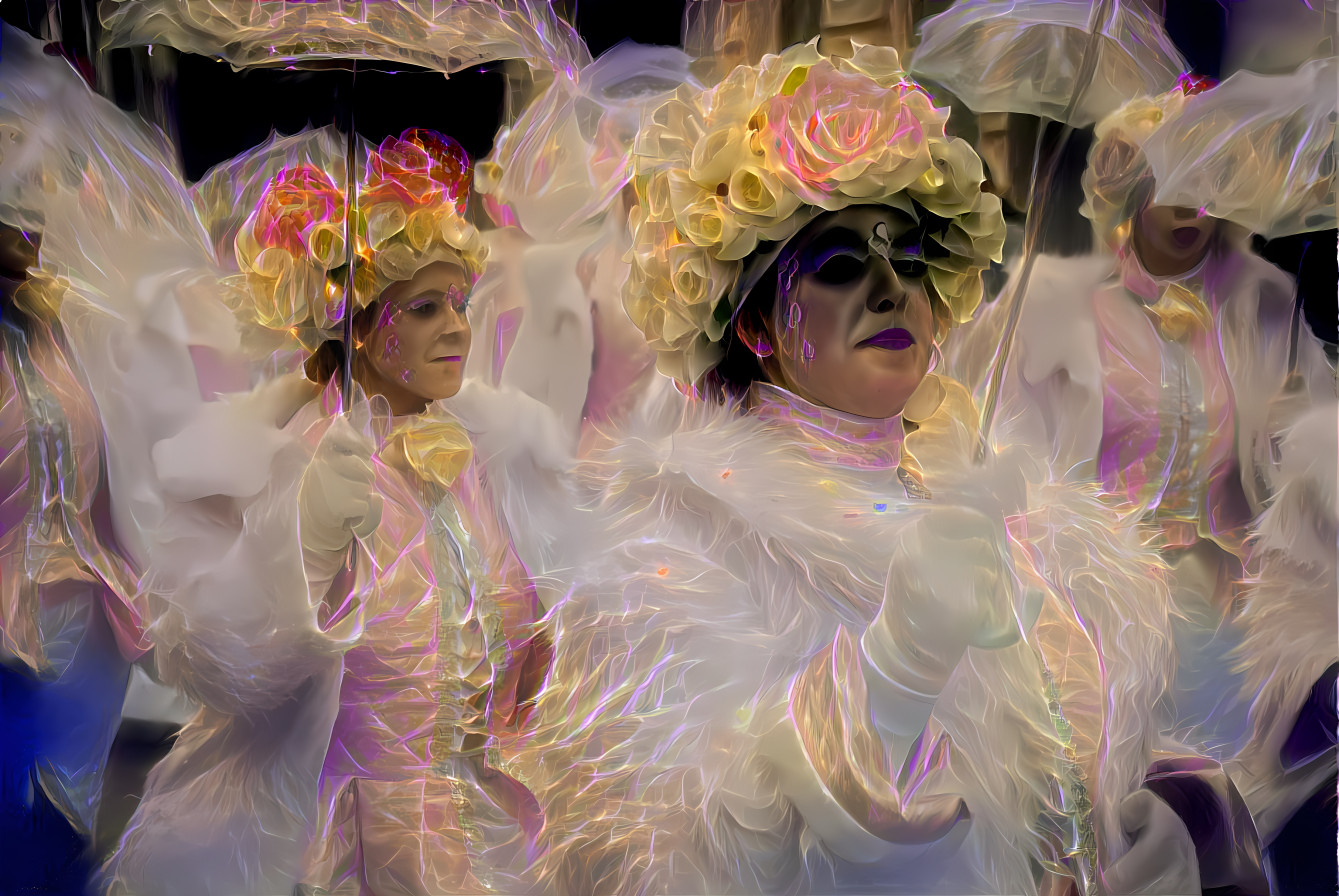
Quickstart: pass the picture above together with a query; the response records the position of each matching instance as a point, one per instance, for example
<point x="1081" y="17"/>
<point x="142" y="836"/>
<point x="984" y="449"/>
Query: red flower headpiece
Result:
<point x="419" y="167"/>
<point x="294" y="200"/>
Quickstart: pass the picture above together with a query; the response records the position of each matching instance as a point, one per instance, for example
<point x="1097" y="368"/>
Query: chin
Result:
<point x="880" y="404"/>
<point x="445" y="392"/>
<point x="436" y="390"/>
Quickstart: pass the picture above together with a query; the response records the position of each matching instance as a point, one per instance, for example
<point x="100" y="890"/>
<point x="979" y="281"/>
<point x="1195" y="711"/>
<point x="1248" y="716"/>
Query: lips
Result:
<point x="895" y="339"/>
<point x="1185" y="237"/>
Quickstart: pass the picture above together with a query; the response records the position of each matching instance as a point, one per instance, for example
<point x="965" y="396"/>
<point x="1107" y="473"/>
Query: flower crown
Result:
<point x="1118" y="172"/>
<point x="751" y="161"/>
<point x="409" y="213"/>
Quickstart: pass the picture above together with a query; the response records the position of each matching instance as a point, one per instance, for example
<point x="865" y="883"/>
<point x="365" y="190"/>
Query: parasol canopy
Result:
<point x="441" y="35"/>
<point x="1027" y="56"/>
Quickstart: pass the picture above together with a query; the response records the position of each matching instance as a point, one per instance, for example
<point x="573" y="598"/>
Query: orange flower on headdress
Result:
<point x="409" y="213"/>
<point x="419" y="167"/>
<point x="297" y="199"/>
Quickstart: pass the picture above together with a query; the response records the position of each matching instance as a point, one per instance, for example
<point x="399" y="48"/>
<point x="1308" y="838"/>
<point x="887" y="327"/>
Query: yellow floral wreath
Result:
<point x="410" y="212"/>
<point x="759" y="156"/>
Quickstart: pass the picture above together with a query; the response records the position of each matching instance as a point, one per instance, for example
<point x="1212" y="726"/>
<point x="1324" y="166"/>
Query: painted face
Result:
<point x="1172" y="240"/>
<point x="18" y="250"/>
<point x="413" y="352"/>
<point x="1007" y="175"/>
<point x="992" y="143"/>
<point x="852" y="327"/>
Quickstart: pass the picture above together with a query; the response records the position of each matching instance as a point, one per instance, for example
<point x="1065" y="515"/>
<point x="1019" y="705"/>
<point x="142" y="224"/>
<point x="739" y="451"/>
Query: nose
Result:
<point x="455" y="320"/>
<point x="881" y="303"/>
<point x="885" y="290"/>
<point x="453" y="329"/>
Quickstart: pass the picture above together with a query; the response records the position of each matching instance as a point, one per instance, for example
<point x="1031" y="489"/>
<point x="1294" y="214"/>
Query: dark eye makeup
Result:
<point x="839" y="257"/>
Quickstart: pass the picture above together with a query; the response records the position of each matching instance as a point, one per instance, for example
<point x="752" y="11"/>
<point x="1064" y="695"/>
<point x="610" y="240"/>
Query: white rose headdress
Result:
<point x="723" y="172"/>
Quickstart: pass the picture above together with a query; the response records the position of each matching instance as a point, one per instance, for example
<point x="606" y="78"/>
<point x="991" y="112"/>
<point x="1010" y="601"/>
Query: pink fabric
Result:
<point x="412" y="790"/>
<point x="81" y="546"/>
<point x="1181" y="460"/>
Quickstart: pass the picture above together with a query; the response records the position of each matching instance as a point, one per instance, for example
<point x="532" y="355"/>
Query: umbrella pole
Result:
<point x="1043" y="175"/>
<point x="1079" y="852"/>
<point x="350" y="238"/>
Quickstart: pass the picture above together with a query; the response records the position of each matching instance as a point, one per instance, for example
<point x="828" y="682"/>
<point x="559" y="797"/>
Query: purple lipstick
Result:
<point x="895" y="340"/>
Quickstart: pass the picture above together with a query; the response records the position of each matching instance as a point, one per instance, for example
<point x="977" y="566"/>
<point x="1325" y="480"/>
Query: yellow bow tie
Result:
<point x="437" y="450"/>
<point x="1180" y="311"/>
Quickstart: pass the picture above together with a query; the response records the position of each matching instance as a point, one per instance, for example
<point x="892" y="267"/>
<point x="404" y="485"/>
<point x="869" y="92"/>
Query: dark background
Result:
<point x="213" y="113"/>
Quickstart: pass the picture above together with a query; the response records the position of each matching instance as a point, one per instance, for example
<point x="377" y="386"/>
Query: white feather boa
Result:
<point x="1289" y="616"/>
<point x="719" y="558"/>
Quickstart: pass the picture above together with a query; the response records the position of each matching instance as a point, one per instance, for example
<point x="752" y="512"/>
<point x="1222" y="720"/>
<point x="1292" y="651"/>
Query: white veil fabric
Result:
<point x="556" y="329"/>
<point x="1258" y="150"/>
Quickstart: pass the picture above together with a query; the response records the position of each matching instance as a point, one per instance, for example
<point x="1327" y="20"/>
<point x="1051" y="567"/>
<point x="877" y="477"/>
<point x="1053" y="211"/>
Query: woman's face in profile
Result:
<point x="852" y="327"/>
<point x="415" y="346"/>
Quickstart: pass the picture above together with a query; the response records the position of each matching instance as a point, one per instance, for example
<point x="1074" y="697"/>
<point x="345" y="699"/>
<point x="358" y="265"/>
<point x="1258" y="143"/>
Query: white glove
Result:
<point x="950" y="587"/>
<point x="336" y="500"/>
<point x="1162" y="860"/>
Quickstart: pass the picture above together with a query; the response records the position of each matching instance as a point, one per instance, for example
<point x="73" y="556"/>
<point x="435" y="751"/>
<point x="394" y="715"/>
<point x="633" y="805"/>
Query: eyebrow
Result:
<point x="432" y="293"/>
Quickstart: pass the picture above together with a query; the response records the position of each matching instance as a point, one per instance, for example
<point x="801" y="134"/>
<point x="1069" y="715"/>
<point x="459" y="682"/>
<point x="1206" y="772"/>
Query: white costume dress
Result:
<point x="708" y="726"/>
<point x="1171" y="392"/>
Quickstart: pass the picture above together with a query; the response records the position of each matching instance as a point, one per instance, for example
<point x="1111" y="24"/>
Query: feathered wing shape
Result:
<point x="202" y="499"/>
<point x="730" y="561"/>
<point x="42" y="151"/>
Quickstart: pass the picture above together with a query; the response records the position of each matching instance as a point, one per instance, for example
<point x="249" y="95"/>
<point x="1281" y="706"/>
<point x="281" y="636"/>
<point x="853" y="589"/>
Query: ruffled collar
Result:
<point x="831" y="436"/>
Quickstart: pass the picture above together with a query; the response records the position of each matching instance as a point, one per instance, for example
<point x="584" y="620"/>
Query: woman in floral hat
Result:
<point x="361" y="725"/>
<point x="1172" y="381"/>
<point x="818" y="637"/>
